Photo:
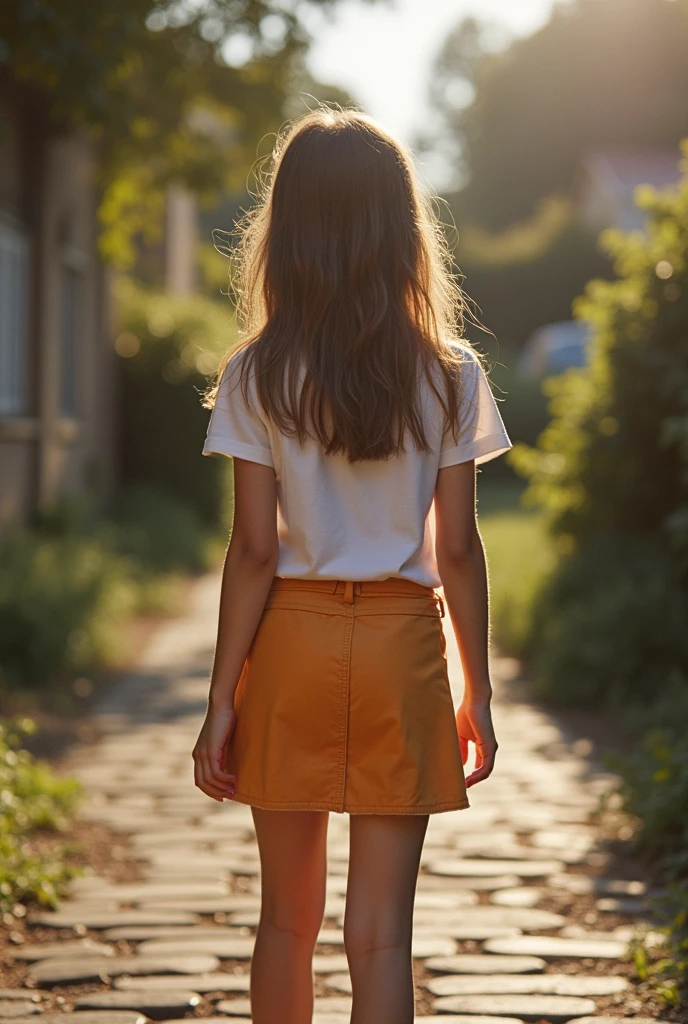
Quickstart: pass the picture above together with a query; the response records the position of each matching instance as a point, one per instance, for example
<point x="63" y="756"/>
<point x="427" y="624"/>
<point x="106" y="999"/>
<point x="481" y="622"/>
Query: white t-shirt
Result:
<point x="364" y="520"/>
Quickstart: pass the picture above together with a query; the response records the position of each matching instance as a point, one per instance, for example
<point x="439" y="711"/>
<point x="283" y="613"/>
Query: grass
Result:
<point x="520" y="555"/>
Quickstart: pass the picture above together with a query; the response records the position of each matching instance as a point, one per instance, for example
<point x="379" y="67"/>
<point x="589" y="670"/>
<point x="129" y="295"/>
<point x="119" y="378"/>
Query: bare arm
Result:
<point x="249" y="568"/>
<point x="463" y="571"/>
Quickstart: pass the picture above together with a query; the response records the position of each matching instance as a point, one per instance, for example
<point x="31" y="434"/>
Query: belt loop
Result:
<point x="441" y="601"/>
<point x="349" y="591"/>
<point x="335" y="584"/>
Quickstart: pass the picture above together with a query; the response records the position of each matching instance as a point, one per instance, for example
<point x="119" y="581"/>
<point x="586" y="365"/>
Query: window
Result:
<point x="14" y="304"/>
<point x="70" y="339"/>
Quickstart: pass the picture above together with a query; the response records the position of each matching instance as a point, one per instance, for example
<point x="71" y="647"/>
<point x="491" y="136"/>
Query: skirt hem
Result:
<point x="324" y="805"/>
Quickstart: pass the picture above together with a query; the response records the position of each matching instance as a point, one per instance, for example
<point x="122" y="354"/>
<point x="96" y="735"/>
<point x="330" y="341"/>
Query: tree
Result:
<point x="600" y="73"/>
<point x="172" y="90"/>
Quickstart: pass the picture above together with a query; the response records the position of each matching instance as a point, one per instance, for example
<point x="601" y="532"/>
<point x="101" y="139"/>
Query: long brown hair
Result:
<point x="345" y="290"/>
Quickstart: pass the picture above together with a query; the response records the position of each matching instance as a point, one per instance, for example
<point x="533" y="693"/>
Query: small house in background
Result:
<point x="57" y="406"/>
<point x="605" y="182"/>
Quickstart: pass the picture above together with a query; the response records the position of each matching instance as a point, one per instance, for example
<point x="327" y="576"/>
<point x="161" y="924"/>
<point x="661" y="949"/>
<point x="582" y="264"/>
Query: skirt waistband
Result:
<point x="394" y="586"/>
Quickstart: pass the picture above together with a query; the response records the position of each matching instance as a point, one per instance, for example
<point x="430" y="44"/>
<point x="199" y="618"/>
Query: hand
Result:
<point x="474" y="723"/>
<point x="209" y="751"/>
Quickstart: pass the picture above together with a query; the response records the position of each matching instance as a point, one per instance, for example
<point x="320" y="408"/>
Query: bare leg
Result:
<point x="384" y="860"/>
<point x="293" y="859"/>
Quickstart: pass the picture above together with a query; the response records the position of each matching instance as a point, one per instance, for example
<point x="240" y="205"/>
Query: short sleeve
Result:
<point x="237" y="428"/>
<point x="481" y="435"/>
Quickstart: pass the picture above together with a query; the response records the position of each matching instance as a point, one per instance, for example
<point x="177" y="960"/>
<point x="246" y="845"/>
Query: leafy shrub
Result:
<point x="609" y="625"/>
<point x="32" y="800"/>
<point x="654" y="789"/>
<point x="615" y="455"/>
<point x="161" y="533"/>
<point x="59" y="600"/>
<point x="169" y="346"/>
<point x="610" y="472"/>
<point x="68" y="583"/>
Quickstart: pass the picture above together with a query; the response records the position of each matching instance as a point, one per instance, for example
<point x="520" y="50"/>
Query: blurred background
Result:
<point x="556" y="135"/>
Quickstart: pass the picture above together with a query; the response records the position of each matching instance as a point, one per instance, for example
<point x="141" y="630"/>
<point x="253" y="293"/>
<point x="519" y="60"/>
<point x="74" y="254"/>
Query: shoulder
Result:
<point x="237" y="369"/>
<point x="464" y="354"/>
<point x="467" y="366"/>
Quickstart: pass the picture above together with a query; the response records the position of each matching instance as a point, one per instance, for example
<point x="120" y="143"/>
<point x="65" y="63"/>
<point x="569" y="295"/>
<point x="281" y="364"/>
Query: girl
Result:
<point x="355" y="420"/>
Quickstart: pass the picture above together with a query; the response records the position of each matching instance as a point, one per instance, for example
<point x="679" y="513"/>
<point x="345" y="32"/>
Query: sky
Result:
<point x="383" y="54"/>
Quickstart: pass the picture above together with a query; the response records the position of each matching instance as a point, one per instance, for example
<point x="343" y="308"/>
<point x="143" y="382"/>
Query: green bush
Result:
<point x="169" y="347"/>
<point x="68" y="582"/>
<point x="60" y="597"/>
<point x="32" y="800"/>
<point x="654" y="789"/>
<point x="609" y="625"/>
<point x="160" y="533"/>
<point x="610" y="472"/>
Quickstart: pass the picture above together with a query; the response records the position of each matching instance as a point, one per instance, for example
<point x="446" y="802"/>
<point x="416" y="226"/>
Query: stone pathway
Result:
<point x="515" y="917"/>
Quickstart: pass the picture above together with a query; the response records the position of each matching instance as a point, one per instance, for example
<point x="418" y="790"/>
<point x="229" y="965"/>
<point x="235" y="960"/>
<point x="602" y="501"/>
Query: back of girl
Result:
<point x="355" y="416"/>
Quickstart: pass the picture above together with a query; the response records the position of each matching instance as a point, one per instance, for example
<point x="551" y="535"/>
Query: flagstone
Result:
<point x="13" y="1008"/>
<point x="234" y="1007"/>
<point x="165" y="890"/>
<point x="192" y="905"/>
<point x="91" y="1017"/>
<point x="467" y="1018"/>
<point x="65" y="970"/>
<point x="455" y="883"/>
<point x="425" y="946"/>
<point x="531" y="984"/>
<point x="478" y="963"/>
<point x="526" y="919"/>
<point x="476" y="868"/>
<point x="553" y="947"/>
<point x="232" y="948"/>
<point x="208" y="1020"/>
<point x="521" y="896"/>
<point x="555" y="1009"/>
<point x="140" y="933"/>
<point x="467" y="931"/>
<point x="445" y="900"/>
<point x="69" y="918"/>
<point x="156" y="1005"/>
<point x="620" y="1020"/>
<point x="51" y="950"/>
<point x="217" y="982"/>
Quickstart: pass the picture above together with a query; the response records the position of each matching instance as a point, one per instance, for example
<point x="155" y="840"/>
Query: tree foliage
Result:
<point x="174" y="90"/>
<point x="600" y="73"/>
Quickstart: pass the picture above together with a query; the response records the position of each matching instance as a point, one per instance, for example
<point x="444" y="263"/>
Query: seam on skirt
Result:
<point x="344" y="683"/>
<point x="343" y="710"/>
<point x="325" y="805"/>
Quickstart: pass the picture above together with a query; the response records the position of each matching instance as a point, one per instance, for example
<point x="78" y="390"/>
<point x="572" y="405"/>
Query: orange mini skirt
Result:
<point x="344" y="702"/>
